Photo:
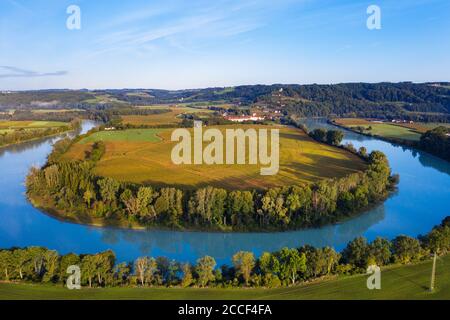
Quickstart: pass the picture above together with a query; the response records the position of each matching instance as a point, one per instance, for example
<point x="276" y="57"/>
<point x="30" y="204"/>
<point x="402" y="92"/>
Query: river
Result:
<point x="421" y="201"/>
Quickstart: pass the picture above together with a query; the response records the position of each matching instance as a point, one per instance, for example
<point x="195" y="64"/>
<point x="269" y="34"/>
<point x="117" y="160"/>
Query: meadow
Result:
<point x="16" y="125"/>
<point x="12" y="132"/>
<point x="56" y="110"/>
<point x="397" y="282"/>
<point x="7" y="127"/>
<point x="166" y="118"/>
<point x="144" y="156"/>
<point x="130" y="135"/>
<point x="387" y="130"/>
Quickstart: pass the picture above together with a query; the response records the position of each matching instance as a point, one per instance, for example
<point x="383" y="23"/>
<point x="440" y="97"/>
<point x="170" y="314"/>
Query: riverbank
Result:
<point x="402" y="142"/>
<point x="398" y="283"/>
<point x="55" y="131"/>
<point x="325" y="203"/>
<point x="74" y="191"/>
<point x="412" y="144"/>
<point x="83" y="219"/>
<point x="37" y="138"/>
<point x="414" y="209"/>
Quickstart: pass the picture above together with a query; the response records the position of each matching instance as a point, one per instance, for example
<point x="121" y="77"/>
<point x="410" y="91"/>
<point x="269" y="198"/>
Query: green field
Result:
<point x="102" y="98"/>
<point x="180" y="108"/>
<point x="7" y="127"/>
<point x="130" y="135"/>
<point x="390" y="131"/>
<point x="15" y="125"/>
<point x="405" y="131"/>
<point x="172" y="117"/>
<point x="405" y="282"/>
<point x="224" y="90"/>
<point x="56" y="110"/>
<point x="144" y="156"/>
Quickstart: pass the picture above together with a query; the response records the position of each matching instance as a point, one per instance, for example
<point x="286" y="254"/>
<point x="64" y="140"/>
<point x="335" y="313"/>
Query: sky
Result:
<point x="178" y="44"/>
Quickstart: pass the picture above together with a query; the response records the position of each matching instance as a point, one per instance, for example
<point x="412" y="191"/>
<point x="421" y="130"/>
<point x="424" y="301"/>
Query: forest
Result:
<point x="285" y="267"/>
<point x="409" y="101"/>
<point x="427" y="102"/>
<point x="437" y="142"/>
<point x="71" y="189"/>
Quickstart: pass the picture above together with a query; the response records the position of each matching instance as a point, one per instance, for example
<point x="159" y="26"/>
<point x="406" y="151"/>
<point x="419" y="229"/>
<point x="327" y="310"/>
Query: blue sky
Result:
<point x="174" y="44"/>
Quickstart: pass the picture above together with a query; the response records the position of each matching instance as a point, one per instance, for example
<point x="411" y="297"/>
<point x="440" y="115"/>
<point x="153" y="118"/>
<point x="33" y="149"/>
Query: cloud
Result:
<point x="14" y="72"/>
<point x="186" y="27"/>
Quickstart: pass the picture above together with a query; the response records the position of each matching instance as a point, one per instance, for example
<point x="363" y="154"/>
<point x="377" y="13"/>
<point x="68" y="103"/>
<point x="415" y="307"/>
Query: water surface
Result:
<point x="422" y="200"/>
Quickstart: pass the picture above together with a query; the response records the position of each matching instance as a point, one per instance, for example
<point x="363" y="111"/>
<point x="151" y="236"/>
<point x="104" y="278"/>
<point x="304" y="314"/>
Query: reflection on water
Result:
<point x="420" y="203"/>
<point x="185" y="245"/>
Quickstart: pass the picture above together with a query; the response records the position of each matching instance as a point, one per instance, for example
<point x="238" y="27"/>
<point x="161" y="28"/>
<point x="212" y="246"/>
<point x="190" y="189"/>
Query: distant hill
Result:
<point x="411" y="101"/>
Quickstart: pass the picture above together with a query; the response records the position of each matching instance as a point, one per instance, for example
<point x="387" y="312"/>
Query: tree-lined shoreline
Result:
<point x="71" y="191"/>
<point x="282" y="268"/>
<point x="17" y="137"/>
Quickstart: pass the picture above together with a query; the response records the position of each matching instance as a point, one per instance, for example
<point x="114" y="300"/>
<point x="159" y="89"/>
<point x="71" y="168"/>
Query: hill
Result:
<point x="412" y="101"/>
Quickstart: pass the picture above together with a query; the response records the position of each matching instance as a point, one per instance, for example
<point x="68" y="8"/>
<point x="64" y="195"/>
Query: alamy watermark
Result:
<point x="374" y="20"/>
<point x="374" y="280"/>
<point x="228" y="149"/>
<point x="74" y="280"/>
<point x="73" y="21"/>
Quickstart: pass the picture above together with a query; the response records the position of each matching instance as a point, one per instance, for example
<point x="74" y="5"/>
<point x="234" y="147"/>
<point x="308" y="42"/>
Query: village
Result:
<point x="257" y="114"/>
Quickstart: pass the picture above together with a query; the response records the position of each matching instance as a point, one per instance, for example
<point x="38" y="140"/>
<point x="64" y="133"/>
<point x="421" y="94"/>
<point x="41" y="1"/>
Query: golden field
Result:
<point x="167" y="118"/>
<point x="302" y="160"/>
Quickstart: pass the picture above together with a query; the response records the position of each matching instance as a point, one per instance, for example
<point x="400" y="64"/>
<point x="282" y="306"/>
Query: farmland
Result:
<point x="12" y="132"/>
<point x="130" y="135"/>
<point x="16" y="125"/>
<point x="172" y="117"/>
<point x="8" y="127"/>
<point x="43" y="111"/>
<point x="404" y="131"/>
<point x="144" y="156"/>
<point x="399" y="282"/>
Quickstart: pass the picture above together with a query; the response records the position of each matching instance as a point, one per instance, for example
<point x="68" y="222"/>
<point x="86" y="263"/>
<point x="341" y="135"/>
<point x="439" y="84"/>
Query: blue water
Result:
<point x="422" y="200"/>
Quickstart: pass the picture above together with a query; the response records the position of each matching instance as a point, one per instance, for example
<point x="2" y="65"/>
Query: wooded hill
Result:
<point x="406" y="100"/>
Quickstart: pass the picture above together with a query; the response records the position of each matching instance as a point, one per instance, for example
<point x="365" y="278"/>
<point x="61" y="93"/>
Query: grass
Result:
<point x="399" y="282"/>
<point x="224" y="91"/>
<point x="56" y="110"/>
<point x="391" y="131"/>
<point x="131" y="157"/>
<point x="14" y="125"/>
<point x="33" y="129"/>
<point x="130" y="135"/>
<point x="103" y="98"/>
<point x="387" y="130"/>
<point x="407" y="131"/>
<point x="7" y="127"/>
<point x="352" y="121"/>
<point x="167" y="118"/>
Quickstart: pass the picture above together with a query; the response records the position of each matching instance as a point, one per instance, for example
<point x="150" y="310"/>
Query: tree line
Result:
<point x="437" y="142"/>
<point x="73" y="189"/>
<point x="406" y="100"/>
<point x="285" y="267"/>
<point x="332" y="137"/>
